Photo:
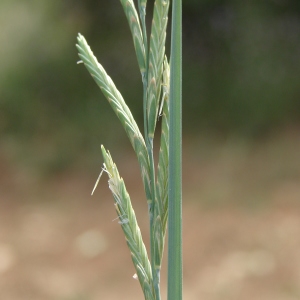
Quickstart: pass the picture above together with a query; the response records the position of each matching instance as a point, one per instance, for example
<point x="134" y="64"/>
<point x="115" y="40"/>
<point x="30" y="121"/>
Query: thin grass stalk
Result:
<point x="175" y="150"/>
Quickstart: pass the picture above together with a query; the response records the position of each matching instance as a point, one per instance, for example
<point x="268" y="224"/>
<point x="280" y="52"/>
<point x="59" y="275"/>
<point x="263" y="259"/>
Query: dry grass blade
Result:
<point x="119" y="106"/>
<point x="156" y="57"/>
<point x="130" y="227"/>
<point x="136" y="31"/>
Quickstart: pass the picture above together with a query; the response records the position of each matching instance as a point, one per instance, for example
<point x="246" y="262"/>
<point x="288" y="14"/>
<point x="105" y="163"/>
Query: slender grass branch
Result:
<point x="162" y="186"/>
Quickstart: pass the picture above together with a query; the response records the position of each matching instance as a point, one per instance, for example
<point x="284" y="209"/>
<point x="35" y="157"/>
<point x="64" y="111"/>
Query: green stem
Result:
<point x="155" y="272"/>
<point x="175" y="169"/>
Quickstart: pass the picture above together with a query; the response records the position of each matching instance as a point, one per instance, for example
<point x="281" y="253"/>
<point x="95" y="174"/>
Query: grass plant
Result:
<point x="155" y="76"/>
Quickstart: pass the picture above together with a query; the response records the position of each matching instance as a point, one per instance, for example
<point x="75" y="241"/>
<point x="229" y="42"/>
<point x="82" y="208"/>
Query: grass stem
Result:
<point x="175" y="150"/>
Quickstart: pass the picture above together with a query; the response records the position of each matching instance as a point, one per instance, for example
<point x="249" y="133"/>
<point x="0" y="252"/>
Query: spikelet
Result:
<point x="163" y="161"/>
<point x="161" y="201"/>
<point x="130" y="226"/>
<point x="156" y="57"/>
<point x="143" y="4"/>
<point x="119" y="106"/>
<point x="135" y="28"/>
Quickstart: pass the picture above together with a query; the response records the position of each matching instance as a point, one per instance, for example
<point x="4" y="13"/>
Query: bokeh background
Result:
<point x="241" y="158"/>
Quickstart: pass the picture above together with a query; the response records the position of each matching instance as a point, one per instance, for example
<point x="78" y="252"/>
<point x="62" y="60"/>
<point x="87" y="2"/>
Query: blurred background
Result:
<point x="241" y="158"/>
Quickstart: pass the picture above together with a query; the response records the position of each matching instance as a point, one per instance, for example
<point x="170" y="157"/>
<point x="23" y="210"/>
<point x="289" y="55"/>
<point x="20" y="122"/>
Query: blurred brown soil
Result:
<point x="241" y="227"/>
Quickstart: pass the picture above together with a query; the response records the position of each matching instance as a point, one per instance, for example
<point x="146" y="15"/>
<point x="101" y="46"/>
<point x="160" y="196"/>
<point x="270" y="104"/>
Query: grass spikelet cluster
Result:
<point x="156" y="58"/>
<point x="155" y="71"/>
<point x="129" y="225"/>
<point x="136" y="31"/>
<point x="163" y="161"/>
<point x="118" y="105"/>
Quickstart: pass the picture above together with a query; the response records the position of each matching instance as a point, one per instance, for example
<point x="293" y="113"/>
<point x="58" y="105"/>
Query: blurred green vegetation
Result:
<point x="241" y="72"/>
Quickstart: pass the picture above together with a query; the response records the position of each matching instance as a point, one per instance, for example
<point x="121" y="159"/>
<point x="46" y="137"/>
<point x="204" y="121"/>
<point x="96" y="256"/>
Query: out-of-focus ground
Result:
<point x="241" y="229"/>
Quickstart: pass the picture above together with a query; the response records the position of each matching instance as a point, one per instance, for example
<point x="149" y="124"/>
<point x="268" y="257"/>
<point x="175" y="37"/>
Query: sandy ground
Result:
<point x="241" y="228"/>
